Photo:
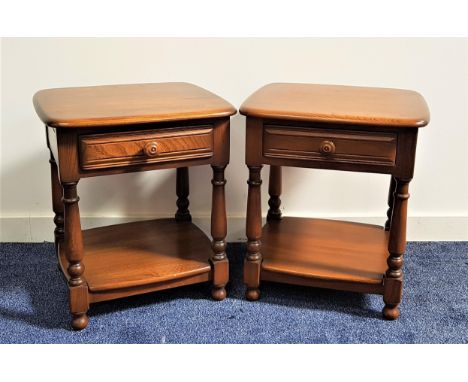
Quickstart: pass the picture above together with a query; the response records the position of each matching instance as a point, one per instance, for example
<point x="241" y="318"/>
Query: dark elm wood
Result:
<point x="218" y="232"/>
<point x="343" y="159"/>
<point x="335" y="128"/>
<point x="106" y="130"/>
<point x="391" y="192"/>
<point x="321" y="145"/>
<point x="274" y="190"/>
<point x="182" y="191"/>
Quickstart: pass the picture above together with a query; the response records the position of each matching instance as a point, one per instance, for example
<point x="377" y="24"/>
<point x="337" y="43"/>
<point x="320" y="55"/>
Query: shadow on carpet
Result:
<point x="34" y="307"/>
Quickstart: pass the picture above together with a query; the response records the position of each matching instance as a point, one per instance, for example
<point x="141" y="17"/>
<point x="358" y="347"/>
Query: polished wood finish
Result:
<point x="396" y="247"/>
<point x="132" y="148"/>
<point x="219" y="259"/>
<point x="253" y="259"/>
<point x="112" y="294"/>
<point x="57" y="205"/>
<point x="73" y="248"/>
<point x="117" y="129"/>
<point x="325" y="249"/>
<point x="69" y="140"/>
<point x="324" y="145"/>
<point x="351" y="105"/>
<point x="274" y="190"/>
<point x="118" y="105"/>
<point x="126" y="256"/>
<point x="335" y="128"/>
<point x="350" y="153"/>
<point x="342" y="285"/>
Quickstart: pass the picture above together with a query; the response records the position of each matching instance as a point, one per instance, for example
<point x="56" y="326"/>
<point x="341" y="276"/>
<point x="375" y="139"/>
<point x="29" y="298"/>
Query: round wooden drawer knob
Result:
<point x="151" y="149"/>
<point x="327" y="147"/>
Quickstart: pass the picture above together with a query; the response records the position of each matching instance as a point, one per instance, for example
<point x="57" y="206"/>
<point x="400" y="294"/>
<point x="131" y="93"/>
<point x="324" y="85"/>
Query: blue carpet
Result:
<point x="34" y="308"/>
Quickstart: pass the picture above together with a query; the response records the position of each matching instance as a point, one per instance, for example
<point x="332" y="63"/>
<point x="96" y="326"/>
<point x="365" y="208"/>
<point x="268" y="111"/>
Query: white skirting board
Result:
<point x="39" y="229"/>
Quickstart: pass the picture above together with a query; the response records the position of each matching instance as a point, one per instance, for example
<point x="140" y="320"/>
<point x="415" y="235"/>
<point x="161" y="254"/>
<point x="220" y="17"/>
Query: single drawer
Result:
<point x="358" y="147"/>
<point x="99" y="151"/>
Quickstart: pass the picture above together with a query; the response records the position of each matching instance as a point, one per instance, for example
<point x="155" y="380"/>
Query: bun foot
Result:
<point x="252" y="294"/>
<point x="79" y="321"/>
<point x="218" y="293"/>
<point x="391" y="312"/>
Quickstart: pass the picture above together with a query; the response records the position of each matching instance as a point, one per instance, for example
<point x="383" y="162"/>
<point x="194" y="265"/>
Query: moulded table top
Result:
<point x="338" y="104"/>
<point x="128" y="104"/>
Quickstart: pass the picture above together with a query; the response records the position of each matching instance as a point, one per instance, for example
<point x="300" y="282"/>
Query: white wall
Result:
<point x="234" y="68"/>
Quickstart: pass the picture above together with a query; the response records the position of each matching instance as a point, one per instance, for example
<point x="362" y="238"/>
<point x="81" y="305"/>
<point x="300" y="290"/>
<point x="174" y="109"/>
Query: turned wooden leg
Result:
<point x="274" y="190"/>
<point x="57" y="205"/>
<point x="182" y="191"/>
<point x="391" y="192"/>
<point x="393" y="282"/>
<point x="253" y="258"/>
<point x="73" y="242"/>
<point x="219" y="259"/>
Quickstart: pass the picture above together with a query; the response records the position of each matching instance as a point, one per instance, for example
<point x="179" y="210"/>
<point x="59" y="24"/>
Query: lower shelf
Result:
<point x="144" y="253"/>
<point x="325" y="250"/>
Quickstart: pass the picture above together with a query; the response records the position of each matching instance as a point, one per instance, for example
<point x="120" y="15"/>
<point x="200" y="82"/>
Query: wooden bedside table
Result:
<point x="103" y="130"/>
<point x="338" y="128"/>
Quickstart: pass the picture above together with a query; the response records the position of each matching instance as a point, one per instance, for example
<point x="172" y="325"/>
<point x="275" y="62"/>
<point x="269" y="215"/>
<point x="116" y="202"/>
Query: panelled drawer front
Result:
<point x="358" y="147"/>
<point x="143" y="147"/>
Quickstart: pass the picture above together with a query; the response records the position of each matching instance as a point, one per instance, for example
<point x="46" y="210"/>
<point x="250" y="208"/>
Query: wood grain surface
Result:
<point x="338" y="128"/>
<point x="128" y="104"/>
<point x="338" y="104"/>
<point x="103" y="130"/>
<point x="132" y="148"/>
<point x="313" y="144"/>
<point x="325" y="249"/>
<point x="142" y="253"/>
